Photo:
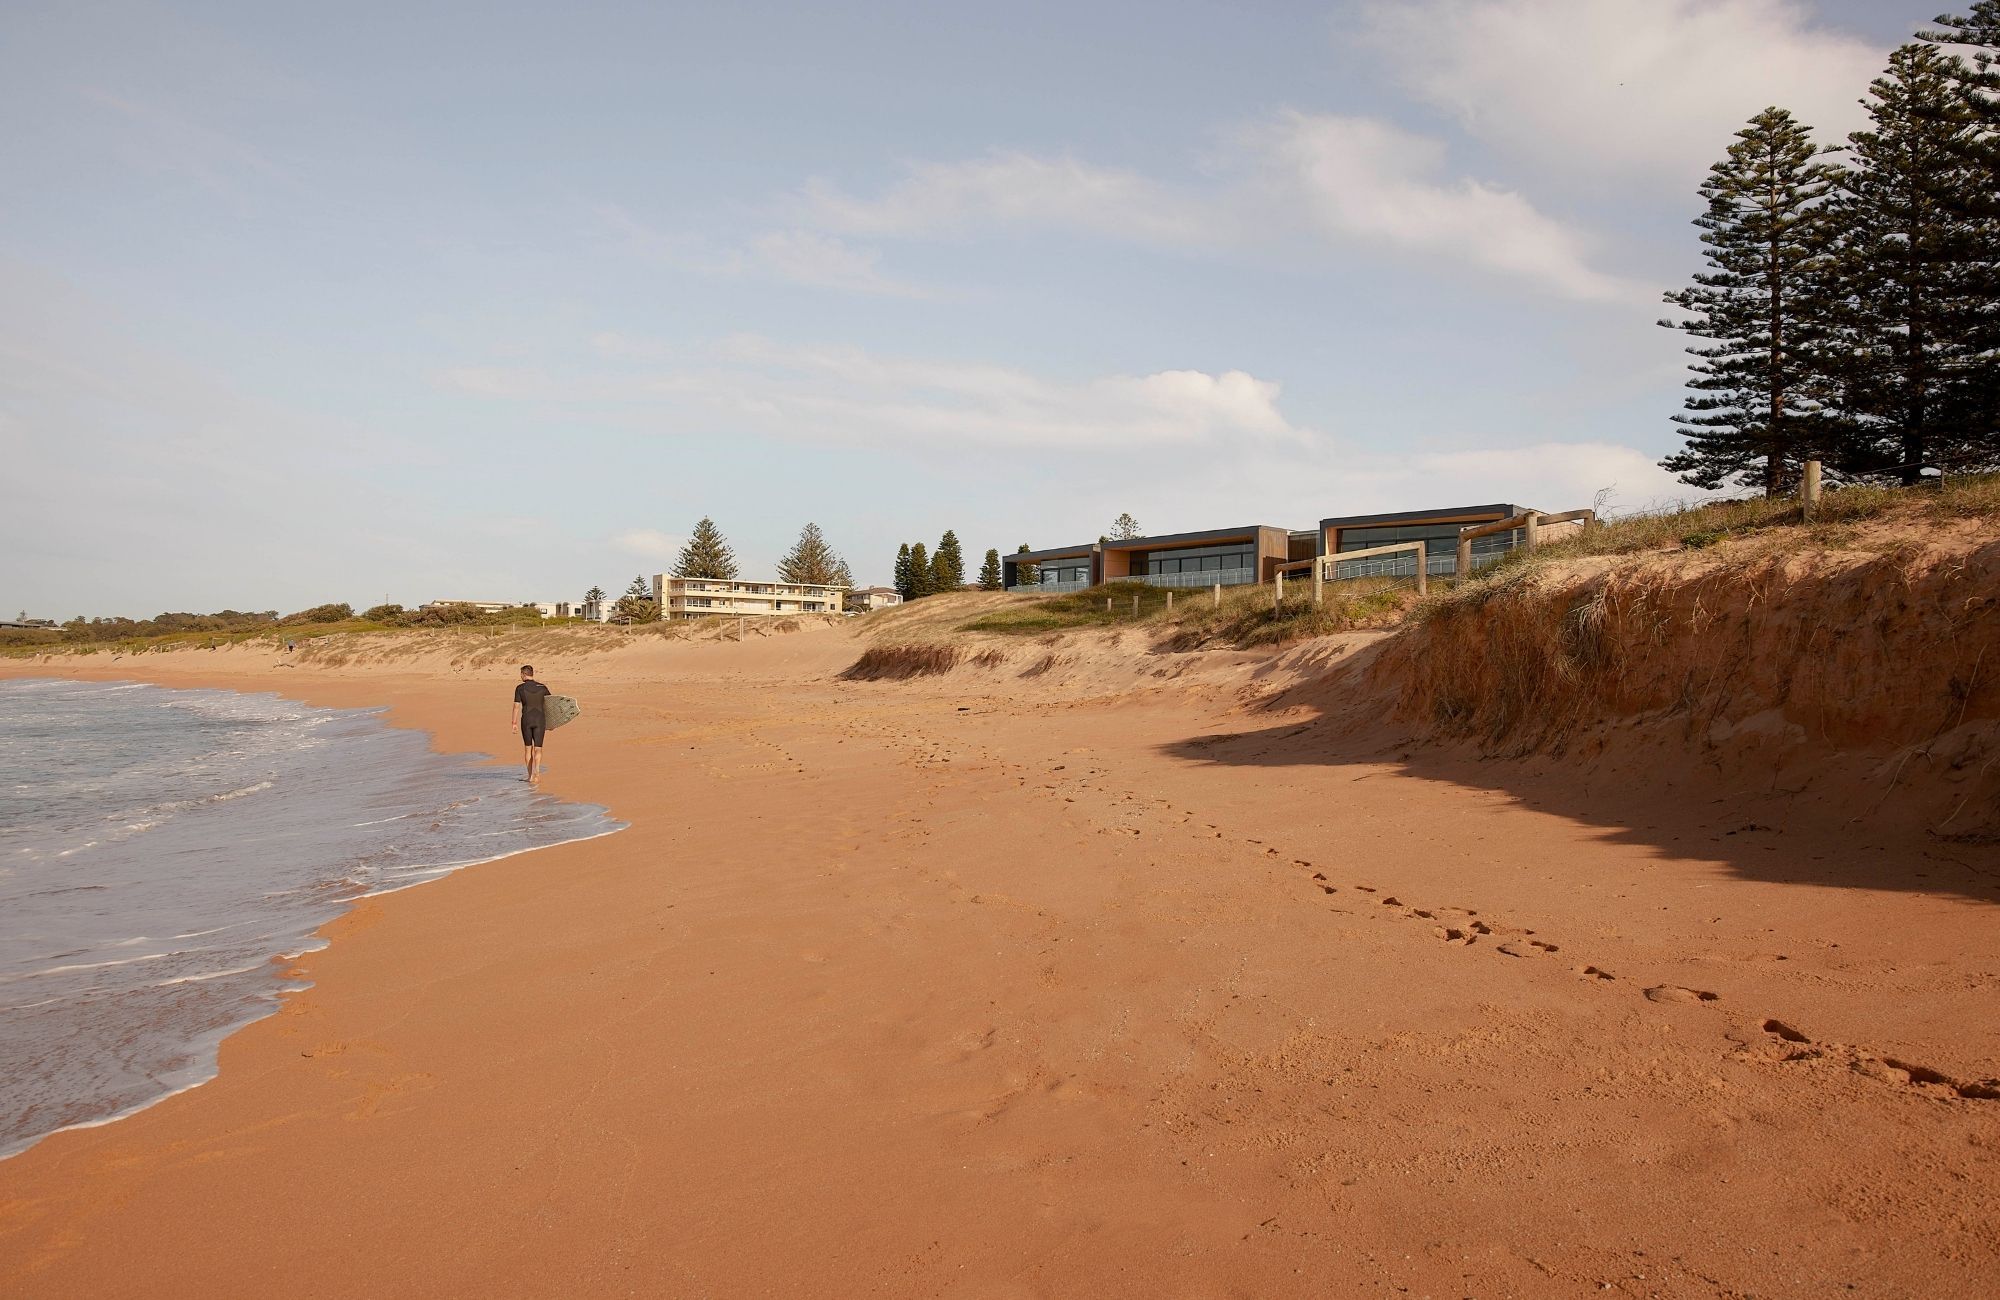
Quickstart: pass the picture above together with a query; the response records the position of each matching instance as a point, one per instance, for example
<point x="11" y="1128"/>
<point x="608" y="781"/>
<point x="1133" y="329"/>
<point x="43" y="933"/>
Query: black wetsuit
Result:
<point x="529" y="695"/>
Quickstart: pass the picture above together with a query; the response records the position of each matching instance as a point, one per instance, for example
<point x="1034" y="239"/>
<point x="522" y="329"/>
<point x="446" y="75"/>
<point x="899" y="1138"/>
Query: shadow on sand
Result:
<point x="1826" y="822"/>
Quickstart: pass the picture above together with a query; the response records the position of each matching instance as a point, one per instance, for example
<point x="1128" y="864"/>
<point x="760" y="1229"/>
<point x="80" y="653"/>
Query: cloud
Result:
<point x="648" y="544"/>
<point x="1365" y="180"/>
<point x="1647" y="88"/>
<point x="164" y="141"/>
<point x="1338" y="184"/>
<point x="847" y="396"/>
<point x="1011" y="190"/>
<point x="792" y="256"/>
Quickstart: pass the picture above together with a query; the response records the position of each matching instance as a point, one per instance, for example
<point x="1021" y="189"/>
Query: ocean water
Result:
<point x="162" y="851"/>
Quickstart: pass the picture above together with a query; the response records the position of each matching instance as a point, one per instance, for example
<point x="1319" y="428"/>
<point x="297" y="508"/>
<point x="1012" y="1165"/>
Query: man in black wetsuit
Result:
<point x="531" y="719"/>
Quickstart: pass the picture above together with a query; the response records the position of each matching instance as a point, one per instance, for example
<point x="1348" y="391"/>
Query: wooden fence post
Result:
<point x="1135" y="605"/>
<point x="739" y="629"/>
<point x="1809" y="489"/>
<point x="1218" y="595"/>
<point x="1462" y="568"/>
<point x="1423" y="571"/>
<point x="1531" y="529"/>
<point x="1107" y="604"/>
<point x="1170" y="600"/>
<point x="1319" y="581"/>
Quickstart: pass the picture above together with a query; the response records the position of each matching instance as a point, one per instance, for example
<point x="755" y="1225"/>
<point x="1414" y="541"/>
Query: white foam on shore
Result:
<point x="261" y="850"/>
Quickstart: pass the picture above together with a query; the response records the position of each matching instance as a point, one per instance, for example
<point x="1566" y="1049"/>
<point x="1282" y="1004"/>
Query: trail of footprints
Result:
<point x="1773" y="1041"/>
<point x="1770" y="1042"/>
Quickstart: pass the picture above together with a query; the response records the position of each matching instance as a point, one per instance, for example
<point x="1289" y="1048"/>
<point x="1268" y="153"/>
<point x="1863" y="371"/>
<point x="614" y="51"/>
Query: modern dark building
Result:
<point x="1229" y="556"/>
<point x="1437" y="529"/>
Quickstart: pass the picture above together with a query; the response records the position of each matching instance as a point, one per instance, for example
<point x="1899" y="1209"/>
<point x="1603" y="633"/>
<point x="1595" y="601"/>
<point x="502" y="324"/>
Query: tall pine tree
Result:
<point x="1759" y="406"/>
<point x="1124" y="528"/>
<point x="948" y="564"/>
<point x="811" y="560"/>
<point x="706" y="555"/>
<point x="989" y="572"/>
<point x="1916" y="272"/>
<point x="1025" y="575"/>
<point x="904" y="587"/>
<point x="920" y="572"/>
<point x="1976" y="198"/>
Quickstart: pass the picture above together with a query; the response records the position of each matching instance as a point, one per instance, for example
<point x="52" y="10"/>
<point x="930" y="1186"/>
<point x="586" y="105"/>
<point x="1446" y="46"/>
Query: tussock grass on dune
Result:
<point x="895" y="663"/>
<point x="1247" y="616"/>
<point x="1967" y="496"/>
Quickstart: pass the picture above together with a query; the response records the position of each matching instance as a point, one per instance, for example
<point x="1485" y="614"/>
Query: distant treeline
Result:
<point x="234" y="624"/>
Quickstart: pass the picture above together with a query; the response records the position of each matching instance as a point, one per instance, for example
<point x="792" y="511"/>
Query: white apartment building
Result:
<point x="862" y="599"/>
<point x="742" y="598"/>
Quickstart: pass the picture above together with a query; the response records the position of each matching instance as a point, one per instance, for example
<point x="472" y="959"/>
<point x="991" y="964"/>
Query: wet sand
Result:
<point x="979" y="987"/>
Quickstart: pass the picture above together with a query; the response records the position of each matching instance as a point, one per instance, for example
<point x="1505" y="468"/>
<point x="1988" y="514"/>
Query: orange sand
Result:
<point x="985" y="987"/>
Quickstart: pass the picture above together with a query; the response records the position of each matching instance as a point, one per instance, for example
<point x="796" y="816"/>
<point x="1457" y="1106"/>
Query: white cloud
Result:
<point x="1365" y="180"/>
<point x="1647" y="88"/>
<point x="1011" y="190"/>
<point x="649" y="544"/>
<point x="846" y="396"/>
<point x="794" y="256"/>
<point x="1340" y="183"/>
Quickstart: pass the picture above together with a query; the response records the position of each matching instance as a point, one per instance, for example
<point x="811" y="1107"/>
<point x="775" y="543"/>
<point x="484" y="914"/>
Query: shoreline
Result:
<point x="933" y="990"/>
<point x="285" y="967"/>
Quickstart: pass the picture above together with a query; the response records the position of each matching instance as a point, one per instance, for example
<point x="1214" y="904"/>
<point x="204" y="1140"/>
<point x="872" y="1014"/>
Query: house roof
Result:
<point x="1495" y="511"/>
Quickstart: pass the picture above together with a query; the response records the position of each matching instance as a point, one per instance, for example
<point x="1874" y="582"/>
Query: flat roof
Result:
<point x="1499" y="510"/>
<point x="1177" y="539"/>
<point x="1053" y="553"/>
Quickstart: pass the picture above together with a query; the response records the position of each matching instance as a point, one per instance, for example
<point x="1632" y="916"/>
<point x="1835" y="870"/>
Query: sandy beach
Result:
<point x="1135" y="979"/>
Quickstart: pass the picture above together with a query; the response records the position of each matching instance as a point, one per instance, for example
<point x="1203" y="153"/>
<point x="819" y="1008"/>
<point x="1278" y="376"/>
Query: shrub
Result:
<point x="895" y="663"/>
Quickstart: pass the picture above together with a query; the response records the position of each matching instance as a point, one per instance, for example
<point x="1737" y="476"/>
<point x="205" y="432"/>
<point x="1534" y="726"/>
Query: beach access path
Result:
<point x="974" y="989"/>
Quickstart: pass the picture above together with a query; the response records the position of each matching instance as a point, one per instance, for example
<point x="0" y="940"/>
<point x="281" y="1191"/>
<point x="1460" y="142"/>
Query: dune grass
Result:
<point x="904" y="660"/>
<point x="1246" y="616"/>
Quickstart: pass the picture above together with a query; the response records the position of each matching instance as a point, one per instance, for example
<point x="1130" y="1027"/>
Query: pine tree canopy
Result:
<point x="1759" y="407"/>
<point x="1124" y="528"/>
<point x="989" y="571"/>
<point x="948" y="564"/>
<point x="1025" y="575"/>
<point x="901" y="581"/>
<point x="640" y="587"/>
<point x="1980" y="27"/>
<point x="920" y="572"/>
<point x="706" y="555"/>
<point x="811" y="560"/>
<point x="1917" y="264"/>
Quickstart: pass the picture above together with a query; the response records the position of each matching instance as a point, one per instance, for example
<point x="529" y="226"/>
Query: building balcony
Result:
<point x="1197" y="578"/>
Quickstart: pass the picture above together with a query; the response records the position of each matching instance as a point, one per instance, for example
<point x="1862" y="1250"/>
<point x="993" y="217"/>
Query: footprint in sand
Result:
<point x="1528" y="948"/>
<point x="1595" y="973"/>
<point x="1675" y="993"/>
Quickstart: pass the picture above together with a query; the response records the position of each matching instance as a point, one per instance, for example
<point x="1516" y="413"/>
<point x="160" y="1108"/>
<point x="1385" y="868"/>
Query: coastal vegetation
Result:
<point x="920" y="572"/>
<point x="1846" y="314"/>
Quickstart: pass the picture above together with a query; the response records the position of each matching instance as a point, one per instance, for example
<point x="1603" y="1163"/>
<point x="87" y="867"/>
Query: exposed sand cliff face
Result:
<point x="1877" y="667"/>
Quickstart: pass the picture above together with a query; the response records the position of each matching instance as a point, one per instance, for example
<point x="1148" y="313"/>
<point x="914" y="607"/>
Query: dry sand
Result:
<point x="1075" y="985"/>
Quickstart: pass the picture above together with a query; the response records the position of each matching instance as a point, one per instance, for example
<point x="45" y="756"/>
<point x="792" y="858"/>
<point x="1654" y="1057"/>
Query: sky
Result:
<point x="493" y="301"/>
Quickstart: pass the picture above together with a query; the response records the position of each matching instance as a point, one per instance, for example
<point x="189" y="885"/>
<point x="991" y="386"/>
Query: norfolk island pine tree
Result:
<point x="706" y="555"/>
<point x="1760" y="405"/>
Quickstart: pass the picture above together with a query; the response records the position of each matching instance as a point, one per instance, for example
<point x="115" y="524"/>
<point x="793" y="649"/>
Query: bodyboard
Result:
<point x="558" y="709"/>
